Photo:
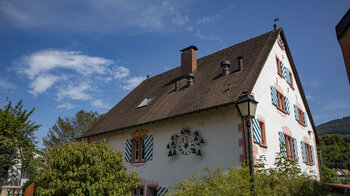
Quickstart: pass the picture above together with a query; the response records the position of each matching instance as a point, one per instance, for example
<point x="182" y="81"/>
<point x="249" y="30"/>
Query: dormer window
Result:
<point x="145" y="102"/>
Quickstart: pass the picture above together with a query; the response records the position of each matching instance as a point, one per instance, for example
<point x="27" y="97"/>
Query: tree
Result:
<point x="79" y="168"/>
<point x="17" y="141"/>
<point x="70" y="128"/>
<point x="335" y="150"/>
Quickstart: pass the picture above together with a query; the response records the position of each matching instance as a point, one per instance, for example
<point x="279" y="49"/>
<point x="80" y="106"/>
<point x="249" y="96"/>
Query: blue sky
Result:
<point x="61" y="56"/>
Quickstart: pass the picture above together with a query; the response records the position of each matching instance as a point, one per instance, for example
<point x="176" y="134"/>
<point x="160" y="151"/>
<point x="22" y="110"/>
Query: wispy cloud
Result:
<point x="208" y="19"/>
<point x="79" y="92"/>
<point x="133" y="82"/>
<point x="197" y="33"/>
<point x="6" y="85"/>
<point x="66" y="106"/>
<point x="80" y="15"/>
<point x="100" y="104"/>
<point x="337" y="106"/>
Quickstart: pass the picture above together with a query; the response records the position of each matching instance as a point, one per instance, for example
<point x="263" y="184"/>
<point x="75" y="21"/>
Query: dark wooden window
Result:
<point x="301" y="117"/>
<point x="140" y="191"/>
<point x="151" y="190"/>
<point x="279" y="69"/>
<point x="308" y="154"/>
<point x="263" y="134"/>
<point x="138" y="149"/>
<point x="281" y="104"/>
<point x="289" y="146"/>
<point x="291" y="80"/>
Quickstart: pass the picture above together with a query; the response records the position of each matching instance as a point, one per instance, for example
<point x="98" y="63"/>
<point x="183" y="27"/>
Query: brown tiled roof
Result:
<point x="209" y="89"/>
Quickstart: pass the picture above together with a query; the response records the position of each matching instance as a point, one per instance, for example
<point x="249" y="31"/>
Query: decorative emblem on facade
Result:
<point x="186" y="142"/>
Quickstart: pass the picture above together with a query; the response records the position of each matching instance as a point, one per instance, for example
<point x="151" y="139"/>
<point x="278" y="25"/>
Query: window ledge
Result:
<point x="284" y="112"/>
<point x="309" y="164"/>
<point x="138" y="161"/>
<point x="263" y="145"/>
<point x="302" y="124"/>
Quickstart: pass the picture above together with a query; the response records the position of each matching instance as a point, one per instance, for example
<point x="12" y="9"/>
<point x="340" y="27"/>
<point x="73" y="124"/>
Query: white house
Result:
<point x="174" y="124"/>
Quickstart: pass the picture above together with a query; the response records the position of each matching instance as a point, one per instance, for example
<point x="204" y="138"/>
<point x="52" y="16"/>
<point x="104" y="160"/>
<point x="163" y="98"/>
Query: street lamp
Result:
<point x="246" y="105"/>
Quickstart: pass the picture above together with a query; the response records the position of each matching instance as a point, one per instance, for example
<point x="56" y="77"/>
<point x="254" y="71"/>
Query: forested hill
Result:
<point x="338" y="126"/>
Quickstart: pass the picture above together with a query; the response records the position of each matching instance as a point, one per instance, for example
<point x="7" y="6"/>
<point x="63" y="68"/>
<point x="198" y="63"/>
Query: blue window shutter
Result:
<point x="127" y="155"/>
<point x="161" y="191"/>
<point x="282" y="144"/>
<point x="303" y="151"/>
<point x="305" y="120"/>
<point x="295" y="146"/>
<point x="149" y="147"/>
<point x="296" y="113"/>
<point x="313" y="155"/>
<point x="273" y="95"/>
<point x="288" y="76"/>
<point x="287" y="104"/>
<point x="257" y="131"/>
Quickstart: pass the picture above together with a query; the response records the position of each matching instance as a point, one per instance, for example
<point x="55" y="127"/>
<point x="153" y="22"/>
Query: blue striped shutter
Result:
<point x="287" y="104"/>
<point x="257" y="131"/>
<point x="149" y="147"/>
<point x="284" y="70"/>
<point x="313" y="155"/>
<point x="161" y="191"/>
<point x="282" y="144"/>
<point x="127" y="154"/>
<point x="305" y="121"/>
<point x="303" y="151"/>
<point x="295" y="146"/>
<point x="273" y="95"/>
<point x="296" y="113"/>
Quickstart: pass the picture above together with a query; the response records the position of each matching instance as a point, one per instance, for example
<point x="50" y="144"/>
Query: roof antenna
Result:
<point x="274" y="25"/>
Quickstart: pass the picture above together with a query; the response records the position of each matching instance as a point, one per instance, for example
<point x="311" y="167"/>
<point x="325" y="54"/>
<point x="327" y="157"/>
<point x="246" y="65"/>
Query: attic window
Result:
<point x="145" y="102"/>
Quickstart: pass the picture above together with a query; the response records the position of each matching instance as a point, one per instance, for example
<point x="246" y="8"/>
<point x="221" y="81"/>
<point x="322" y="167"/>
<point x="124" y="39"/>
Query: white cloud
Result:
<point x="75" y="92"/>
<point x="41" y="83"/>
<point x="152" y="15"/>
<point x="121" y="72"/>
<point x="6" y="85"/>
<point x="66" y="106"/>
<point x="197" y="33"/>
<point x="133" y="82"/>
<point x="208" y="19"/>
<point x="100" y="104"/>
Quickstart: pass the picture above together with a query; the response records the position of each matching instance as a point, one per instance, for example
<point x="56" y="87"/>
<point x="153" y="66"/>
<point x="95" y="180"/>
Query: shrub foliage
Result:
<point x="285" y="178"/>
<point x="79" y="168"/>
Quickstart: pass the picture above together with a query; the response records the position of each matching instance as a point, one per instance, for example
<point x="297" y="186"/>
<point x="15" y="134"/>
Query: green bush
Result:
<point x="79" y="168"/>
<point x="285" y="178"/>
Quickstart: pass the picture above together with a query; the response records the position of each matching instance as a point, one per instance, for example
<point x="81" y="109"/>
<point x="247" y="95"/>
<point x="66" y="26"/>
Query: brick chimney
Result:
<point x="188" y="59"/>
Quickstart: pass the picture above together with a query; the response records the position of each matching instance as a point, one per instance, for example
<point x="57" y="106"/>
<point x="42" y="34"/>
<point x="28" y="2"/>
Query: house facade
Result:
<point x="174" y="124"/>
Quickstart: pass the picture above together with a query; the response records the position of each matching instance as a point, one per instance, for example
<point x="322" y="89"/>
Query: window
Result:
<point x="281" y="104"/>
<point x="301" y="117"/>
<point x="279" y="67"/>
<point x="289" y="147"/>
<point x="138" y="149"/>
<point x="138" y="191"/>
<point x="280" y="42"/>
<point x="151" y="191"/>
<point x="291" y="80"/>
<point x="308" y="154"/>
<point x="145" y="102"/>
<point x="263" y="134"/>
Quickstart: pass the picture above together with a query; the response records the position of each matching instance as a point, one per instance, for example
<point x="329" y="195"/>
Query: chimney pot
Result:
<point x="189" y="78"/>
<point x="188" y="59"/>
<point x="224" y="67"/>
<point x="240" y="63"/>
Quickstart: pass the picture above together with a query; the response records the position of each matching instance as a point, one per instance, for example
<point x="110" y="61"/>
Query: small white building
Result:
<point x="176" y="123"/>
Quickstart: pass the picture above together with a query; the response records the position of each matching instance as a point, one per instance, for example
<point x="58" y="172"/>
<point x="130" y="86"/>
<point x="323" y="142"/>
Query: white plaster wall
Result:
<point x="218" y="128"/>
<point x="275" y="119"/>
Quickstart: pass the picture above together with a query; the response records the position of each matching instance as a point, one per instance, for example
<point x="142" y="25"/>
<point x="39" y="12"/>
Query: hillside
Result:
<point x="338" y="126"/>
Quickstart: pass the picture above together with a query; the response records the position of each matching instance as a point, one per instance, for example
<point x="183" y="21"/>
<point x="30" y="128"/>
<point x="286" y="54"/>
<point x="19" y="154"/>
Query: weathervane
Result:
<point x="274" y="25"/>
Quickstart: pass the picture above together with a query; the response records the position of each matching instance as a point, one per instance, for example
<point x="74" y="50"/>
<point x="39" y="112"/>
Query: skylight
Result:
<point x="145" y="102"/>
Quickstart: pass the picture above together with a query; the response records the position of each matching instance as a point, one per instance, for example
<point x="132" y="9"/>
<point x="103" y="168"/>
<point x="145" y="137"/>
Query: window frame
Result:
<point x="138" y="191"/>
<point x="308" y="154"/>
<point x="301" y="117"/>
<point x="280" y="98"/>
<point x="289" y="147"/>
<point x="263" y="142"/>
<point x="149" y="187"/>
<point x="279" y="68"/>
<point x="138" y="151"/>
<point x="291" y="80"/>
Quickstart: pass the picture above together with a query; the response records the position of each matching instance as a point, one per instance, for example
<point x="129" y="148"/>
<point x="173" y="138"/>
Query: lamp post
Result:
<point x="246" y="105"/>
